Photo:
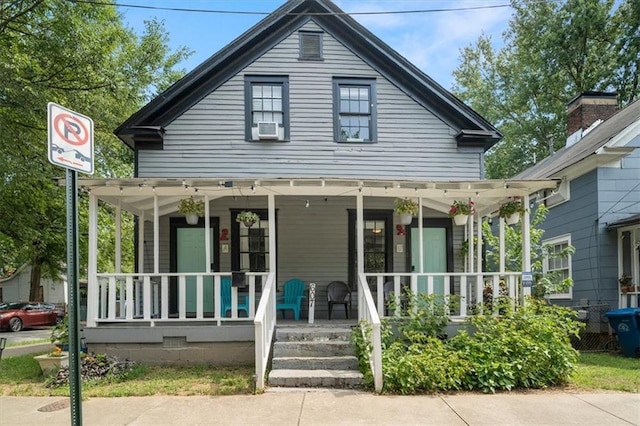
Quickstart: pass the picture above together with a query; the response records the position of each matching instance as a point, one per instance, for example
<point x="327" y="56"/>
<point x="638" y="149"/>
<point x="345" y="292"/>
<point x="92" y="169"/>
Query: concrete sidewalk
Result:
<point x="333" y="407"/>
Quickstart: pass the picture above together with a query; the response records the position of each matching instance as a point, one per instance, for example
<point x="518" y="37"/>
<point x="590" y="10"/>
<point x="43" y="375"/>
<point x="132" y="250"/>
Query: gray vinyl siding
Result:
<point x="577" y="218"/>
<point x="312" y="243"/>
<point x="209" y="139"/>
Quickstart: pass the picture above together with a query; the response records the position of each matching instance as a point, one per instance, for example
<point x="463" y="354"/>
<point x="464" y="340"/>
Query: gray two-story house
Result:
<point x="315" y="125"/>
<point x="596" y="207"/>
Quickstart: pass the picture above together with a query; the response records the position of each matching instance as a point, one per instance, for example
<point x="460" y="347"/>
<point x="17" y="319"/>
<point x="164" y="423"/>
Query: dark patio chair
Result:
<point x="339" y="293"/>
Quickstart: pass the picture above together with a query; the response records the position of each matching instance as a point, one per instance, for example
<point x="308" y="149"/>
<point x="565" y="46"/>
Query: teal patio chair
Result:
<point x="225" y="289"/>
<point x="292" y="297"/>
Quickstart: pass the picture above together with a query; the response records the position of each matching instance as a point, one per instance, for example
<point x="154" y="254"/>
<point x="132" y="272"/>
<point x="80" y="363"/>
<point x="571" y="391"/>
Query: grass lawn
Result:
<point x="21" y="376"/>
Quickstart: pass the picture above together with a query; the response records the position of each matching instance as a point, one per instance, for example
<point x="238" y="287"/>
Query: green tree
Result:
<point x="553" y="50"/>
<point x="544" y="283"/>
<point x="79" y="55"/>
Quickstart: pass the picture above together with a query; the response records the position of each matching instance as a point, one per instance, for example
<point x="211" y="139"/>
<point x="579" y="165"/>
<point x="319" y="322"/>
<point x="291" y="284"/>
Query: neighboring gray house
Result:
<point x="316" y="125"/>
<point x="597" y="205"/>
<point x="17" y="287"/>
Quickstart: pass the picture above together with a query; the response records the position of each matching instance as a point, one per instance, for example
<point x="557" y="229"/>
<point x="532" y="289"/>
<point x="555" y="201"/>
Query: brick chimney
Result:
<point x="587" y="108"/>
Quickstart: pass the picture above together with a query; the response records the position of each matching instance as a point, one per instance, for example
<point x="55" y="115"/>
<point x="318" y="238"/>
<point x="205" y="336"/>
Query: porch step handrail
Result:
<point x="265" y="325"/>
<point x="368" y="313"/>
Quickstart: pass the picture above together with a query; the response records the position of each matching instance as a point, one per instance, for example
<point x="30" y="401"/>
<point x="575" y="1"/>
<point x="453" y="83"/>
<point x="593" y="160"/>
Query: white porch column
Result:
<point x="118" y="248"/>
<point x="156" y="235"/>
<point x="141" y="243"/>
<point x="92" y="279"/>
<point x="526" y="242"/>
<point x="420" y="238"/>
<point x="471" y="248"/>
<point x="207" y="234"/>
<point x="502" y="248"/>
<point x="360" y="233"/>
<point x="271" y="199"/>
<point x="479" y="246"/>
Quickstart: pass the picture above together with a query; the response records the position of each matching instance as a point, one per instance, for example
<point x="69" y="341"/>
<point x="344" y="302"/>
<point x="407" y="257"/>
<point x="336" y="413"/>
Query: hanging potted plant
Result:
<point x="248" y="218"/>
<point x="406" y="209"/>
<point x="191" y="209"/>
<point x="511" y="211"/>
<point x="460" y="211"/>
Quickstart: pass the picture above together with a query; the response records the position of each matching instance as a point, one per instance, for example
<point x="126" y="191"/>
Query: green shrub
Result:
<point x="526" y="348"/>
<point x="422" y="367"/>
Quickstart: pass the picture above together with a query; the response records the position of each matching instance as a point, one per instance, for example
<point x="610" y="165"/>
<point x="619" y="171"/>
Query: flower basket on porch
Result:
<point x="511" y="211"/>
<point x="248" y="218"/>
<point x="626" y="285"/>
<point x="406" y="209"/>
<point x="460" y="211"/>
<point x="192" y="209"/>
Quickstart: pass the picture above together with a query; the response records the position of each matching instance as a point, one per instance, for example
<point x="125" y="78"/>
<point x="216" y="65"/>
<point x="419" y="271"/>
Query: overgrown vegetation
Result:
<point x="96" y="367"/>
<point x="524" y="348"/>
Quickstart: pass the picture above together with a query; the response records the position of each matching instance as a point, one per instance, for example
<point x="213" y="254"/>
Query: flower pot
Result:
<point x="51" y="364"/>
<point x="248" y="223"/>
<point x="460" y="219"/>
<point x="512" y="219"/>
<point x="406" y="218"/>
<point x="192" y="218"/>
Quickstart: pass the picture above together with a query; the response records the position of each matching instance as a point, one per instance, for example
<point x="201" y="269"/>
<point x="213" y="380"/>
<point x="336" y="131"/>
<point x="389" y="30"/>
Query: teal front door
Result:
<point x="435" y="255"/>
<point x="192" y="258"/>
<point x="188" y="255"/>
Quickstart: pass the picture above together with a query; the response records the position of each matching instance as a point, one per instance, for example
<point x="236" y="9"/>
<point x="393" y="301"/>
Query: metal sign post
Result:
<point x="71" y="146"/>
<point x="75" y="388"/>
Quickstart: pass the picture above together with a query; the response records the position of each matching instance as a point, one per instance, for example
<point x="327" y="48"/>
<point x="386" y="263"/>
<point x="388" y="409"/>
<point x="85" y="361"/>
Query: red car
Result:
<point x="16" y="316"/>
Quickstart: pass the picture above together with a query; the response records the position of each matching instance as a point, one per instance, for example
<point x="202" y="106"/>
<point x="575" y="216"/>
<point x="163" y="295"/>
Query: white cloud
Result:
<point x="432" y="41"/>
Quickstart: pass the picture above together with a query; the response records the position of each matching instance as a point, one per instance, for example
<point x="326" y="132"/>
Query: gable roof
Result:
<point x="146" y="124"/>
<point x="593" y="143"/>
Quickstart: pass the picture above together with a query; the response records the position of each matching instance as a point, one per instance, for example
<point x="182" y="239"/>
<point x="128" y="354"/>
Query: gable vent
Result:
<point x="267" y="130"/>
<point x="310" y="46"/>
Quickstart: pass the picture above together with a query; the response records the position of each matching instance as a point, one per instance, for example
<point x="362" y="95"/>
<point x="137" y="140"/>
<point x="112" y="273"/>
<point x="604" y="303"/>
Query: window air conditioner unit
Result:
<point x="268" y="130"/>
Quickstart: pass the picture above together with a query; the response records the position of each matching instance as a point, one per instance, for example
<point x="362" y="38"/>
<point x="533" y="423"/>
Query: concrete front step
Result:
<point x="316" y="378"/>
<point x="318" y="334"/>
<point x="348" y="362"/>
<point x="312" y="349"/>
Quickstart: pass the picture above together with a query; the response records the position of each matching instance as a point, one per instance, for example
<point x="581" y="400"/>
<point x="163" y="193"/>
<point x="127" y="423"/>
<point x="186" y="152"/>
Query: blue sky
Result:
<point x="432" y="41"/>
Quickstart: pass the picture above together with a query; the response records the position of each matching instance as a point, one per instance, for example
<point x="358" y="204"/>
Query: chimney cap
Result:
<point x="594" y="95"/>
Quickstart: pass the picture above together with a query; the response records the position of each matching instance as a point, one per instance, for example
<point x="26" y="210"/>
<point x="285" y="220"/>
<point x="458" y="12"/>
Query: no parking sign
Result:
<point x="70" y="139"/>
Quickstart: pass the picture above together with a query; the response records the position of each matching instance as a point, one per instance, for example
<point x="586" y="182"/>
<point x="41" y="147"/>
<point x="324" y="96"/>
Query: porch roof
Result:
<point x="136" y="195"/>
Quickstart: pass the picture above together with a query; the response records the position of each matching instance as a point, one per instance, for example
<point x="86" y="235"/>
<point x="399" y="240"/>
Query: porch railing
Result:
<point x="265" y="324"/>
<point x="368" y="313"/>
<point x="145" y="297"/>
<point x="474" y="290"/>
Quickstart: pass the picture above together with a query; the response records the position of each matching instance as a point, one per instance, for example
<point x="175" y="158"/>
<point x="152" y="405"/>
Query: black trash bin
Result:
<point x="626" y="323"/>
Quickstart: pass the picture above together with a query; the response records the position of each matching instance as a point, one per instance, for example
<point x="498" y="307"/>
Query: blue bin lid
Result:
<point x="624" y="312"/>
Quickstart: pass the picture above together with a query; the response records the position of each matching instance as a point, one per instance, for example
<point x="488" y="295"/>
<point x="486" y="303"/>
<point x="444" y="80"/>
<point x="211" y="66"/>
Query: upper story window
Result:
<point x="266" y="108"/>
<point x="310" y="46"/>
<point x="556" y="264"/>
<point x="354" y="110"/>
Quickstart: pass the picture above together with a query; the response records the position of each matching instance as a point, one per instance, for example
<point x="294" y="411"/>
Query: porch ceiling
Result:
<point x="136" y="195"/>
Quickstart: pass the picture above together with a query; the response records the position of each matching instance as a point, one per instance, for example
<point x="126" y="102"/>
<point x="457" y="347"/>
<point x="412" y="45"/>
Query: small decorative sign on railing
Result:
<point x="312" y="302"/>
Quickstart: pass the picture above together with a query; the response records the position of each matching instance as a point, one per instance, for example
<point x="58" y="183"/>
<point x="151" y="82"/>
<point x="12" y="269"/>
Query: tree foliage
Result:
<point x="79" y="55"/>
<point x="544" y="283"/>
<point x="552" y="51"/>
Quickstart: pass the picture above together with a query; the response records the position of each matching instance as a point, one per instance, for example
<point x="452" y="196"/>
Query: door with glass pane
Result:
<point x="250" y="245"/>
<point x="378" y="243"/>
